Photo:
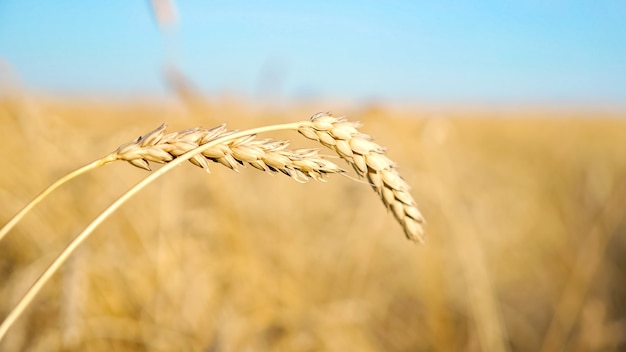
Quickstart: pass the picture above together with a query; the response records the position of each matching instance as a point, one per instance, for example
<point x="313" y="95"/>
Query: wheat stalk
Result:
<point x="156" y="146"/>
<point x="240" y="148"/>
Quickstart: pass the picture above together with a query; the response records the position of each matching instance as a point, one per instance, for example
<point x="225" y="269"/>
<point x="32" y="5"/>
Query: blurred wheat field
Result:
<point x="524" y="252"/>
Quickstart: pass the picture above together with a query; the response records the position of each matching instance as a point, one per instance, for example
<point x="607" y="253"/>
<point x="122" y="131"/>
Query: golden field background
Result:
<point x="525" y="248"/>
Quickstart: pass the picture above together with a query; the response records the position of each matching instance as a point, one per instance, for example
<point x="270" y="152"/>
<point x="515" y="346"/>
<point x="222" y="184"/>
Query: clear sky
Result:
<point x="468" y="51"/>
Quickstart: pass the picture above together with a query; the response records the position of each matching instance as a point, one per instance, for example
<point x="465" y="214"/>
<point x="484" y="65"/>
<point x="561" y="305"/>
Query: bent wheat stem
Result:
<point x="95" y="164"/>
<point x="56" y="264"/>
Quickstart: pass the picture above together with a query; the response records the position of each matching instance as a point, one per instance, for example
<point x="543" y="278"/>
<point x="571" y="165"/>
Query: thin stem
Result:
<point x="56" y="264"/>
<point x="9" y="225"/>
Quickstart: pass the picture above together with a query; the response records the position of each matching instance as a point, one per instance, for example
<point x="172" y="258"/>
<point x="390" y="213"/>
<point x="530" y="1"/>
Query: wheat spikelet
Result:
<point x="265" y="155"/>
<point x="369" y="161"/>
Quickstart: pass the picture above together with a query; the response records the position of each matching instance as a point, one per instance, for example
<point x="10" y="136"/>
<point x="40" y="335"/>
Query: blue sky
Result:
<point x="421" y="51"/>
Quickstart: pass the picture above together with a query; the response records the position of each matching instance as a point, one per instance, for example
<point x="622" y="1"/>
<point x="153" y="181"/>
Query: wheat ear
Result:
<point x="266" y="155"/>
<point x="368" y="160"/>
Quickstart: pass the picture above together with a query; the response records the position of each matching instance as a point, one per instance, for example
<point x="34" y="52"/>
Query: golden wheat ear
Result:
<point x="236" y="148"/>
<point x="368" y="159"/>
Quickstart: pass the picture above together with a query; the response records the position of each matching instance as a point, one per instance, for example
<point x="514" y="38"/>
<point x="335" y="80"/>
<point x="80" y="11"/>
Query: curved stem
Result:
<point x="56" y="264"/>
<point x="9" y="225"/>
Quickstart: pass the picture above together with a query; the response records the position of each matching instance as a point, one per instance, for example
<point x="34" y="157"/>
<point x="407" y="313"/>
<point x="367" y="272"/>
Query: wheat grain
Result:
<point x="369" y="161"/>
